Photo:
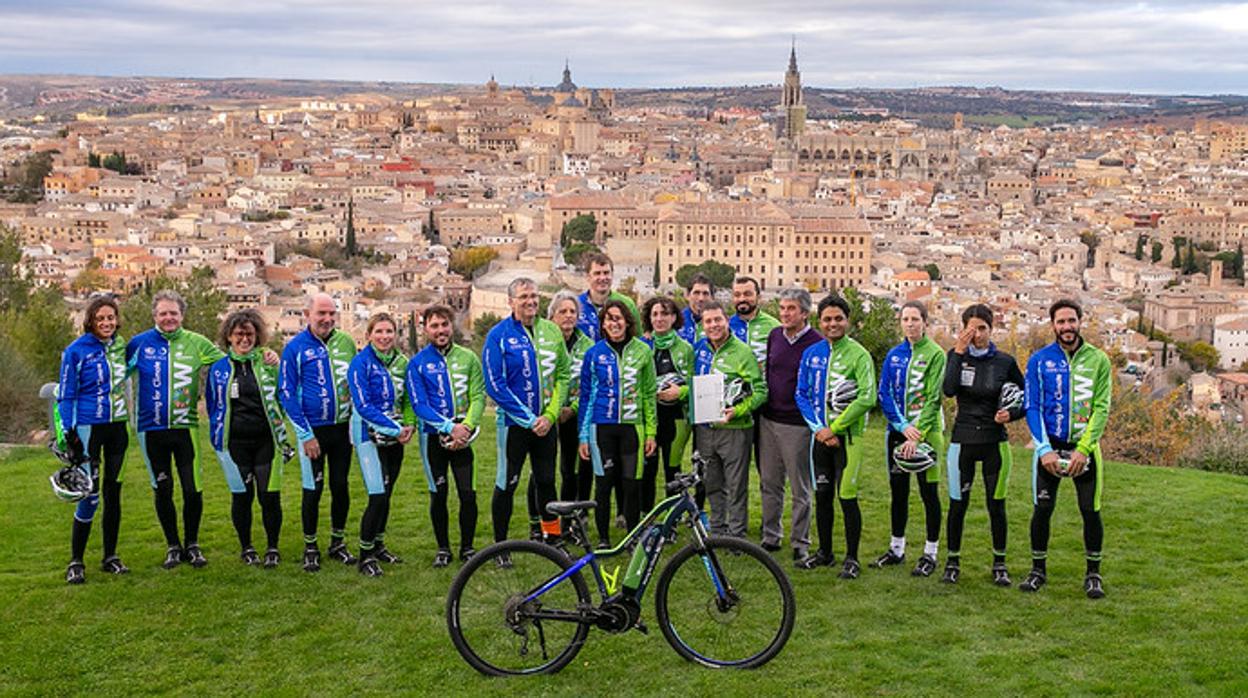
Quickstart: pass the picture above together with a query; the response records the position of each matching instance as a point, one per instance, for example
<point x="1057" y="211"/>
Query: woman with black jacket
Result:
<point x="976" y="373"/>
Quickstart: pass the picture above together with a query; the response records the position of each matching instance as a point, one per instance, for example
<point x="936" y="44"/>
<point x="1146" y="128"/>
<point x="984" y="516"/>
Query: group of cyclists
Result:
<point x="598" y="398"/>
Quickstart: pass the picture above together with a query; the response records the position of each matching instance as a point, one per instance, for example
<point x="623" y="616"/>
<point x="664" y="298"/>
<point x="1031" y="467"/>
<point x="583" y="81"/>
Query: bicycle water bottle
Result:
<point x="636" y="566"/>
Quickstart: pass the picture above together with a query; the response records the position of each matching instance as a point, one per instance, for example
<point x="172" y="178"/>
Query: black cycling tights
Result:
<point x="107" y="442"/>
<point x="460" y="464"/>
<point x="617" y="450"/>
<point x="899" y="486"/>
<point x="164" y="449"/>
<point x="1046" y="498"/>
<point x="335" y="443"/>
<point x="829" y="466"/>
<point x="377" y="512"/>
<point x="990" y="454"/>
<point x="541" y="451"/>
<point x="254" y="458"/>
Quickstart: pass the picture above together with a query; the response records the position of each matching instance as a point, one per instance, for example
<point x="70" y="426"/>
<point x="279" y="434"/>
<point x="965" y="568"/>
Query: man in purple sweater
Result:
<point x="784" y="438"/>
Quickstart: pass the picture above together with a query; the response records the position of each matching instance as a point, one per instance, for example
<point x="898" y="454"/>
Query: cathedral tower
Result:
<point x="791" y="99"/>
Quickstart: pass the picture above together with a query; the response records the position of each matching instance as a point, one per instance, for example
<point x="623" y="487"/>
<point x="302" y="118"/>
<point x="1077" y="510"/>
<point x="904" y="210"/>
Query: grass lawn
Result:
<point x="1175" y="620"/>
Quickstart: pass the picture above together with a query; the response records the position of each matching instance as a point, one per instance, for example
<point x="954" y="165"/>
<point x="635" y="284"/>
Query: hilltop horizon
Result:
<point x="463" y="84"/>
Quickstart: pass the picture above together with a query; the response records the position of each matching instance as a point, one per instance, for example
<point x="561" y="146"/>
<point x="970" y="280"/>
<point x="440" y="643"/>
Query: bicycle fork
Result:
<point x="725" y="596"/>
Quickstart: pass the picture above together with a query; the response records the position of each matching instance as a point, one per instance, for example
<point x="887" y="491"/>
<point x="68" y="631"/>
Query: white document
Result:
<point x="708" y="398"/>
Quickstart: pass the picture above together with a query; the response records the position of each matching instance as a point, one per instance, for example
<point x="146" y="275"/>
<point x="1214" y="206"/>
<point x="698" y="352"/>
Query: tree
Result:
<point x="351" y="248"/>
<point x="1190" y="266"/>
<point x="655" y="280"/>
<point x="873" y="322"/>
<point x="93" y="160"/>
<point x="628" y="287"/>
<point x="575" y="252"/>
<point x="467" y="261"/>
<point x="431" y="233"/>
<point x="24" y="182"/>
<point x="719" y="273"/>
<point x="772" y="308"/>
<point x="205" y="304"/>
<point x="1237" y="263"/>
<point x="34" y="329"/>
<point x="413" y="333"/>
<point x="1177" y="262"/>
<point x="1139" y="247"/>
<point x="14" y="290"/>
<point x="1228" y="263"/>
<point x="115" y="161"/>
<point x="91" y="278"/>
<point x="40" y="333"/>
<point x="334" y="256"/>
<point x="582" y="228"/>
<point x="480" y="328"/>
<point x="1147" y="430"/>
<point x="932" y="270"/>
<point x="1158" y="248"/>
<point x="1200" y="355"/>
<point x="19" y="396"/>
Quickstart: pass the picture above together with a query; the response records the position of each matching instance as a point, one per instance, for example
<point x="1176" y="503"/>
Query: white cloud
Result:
<point x="1171" y="46"/>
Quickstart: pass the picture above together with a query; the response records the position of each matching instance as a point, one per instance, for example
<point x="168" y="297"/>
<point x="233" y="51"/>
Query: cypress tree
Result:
<point x="351" y="250"/>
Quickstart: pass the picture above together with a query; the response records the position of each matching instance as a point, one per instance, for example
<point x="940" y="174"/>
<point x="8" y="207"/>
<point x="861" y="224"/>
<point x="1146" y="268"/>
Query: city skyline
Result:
<point x="1156" y="47"/>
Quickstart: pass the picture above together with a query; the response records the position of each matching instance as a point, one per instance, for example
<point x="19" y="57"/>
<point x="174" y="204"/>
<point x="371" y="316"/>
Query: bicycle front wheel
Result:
<point x="746" y="625"/>
<point x="496" y="630"/>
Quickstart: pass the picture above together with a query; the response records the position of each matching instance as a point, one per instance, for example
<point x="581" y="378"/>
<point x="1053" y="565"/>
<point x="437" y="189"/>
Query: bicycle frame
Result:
<point x="645" y="558"/>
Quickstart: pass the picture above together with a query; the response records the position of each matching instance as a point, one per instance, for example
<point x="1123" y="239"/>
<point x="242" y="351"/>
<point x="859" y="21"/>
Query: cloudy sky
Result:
<point x="1179" y="46"/>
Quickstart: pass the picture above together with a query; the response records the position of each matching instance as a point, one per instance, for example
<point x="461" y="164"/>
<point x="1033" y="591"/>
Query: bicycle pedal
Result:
<point x="642" y="627"/>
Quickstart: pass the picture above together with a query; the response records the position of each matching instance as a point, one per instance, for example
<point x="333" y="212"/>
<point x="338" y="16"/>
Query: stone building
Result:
<point x="819" y="248"/>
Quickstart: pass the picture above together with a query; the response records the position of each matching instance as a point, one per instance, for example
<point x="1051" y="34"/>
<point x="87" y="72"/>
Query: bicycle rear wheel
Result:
<point x="744" y="631"/>
<point x="493" y="627"/>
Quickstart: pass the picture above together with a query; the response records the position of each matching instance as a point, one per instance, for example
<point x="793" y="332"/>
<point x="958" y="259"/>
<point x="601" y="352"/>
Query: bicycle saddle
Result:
<point x="569" y="508"/>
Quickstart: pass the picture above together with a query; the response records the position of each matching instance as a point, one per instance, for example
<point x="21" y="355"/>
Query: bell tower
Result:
<point x="791" y="98"/>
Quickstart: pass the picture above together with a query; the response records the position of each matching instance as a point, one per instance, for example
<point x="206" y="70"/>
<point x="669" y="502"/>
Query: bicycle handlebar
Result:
<point x="684" y="481"/>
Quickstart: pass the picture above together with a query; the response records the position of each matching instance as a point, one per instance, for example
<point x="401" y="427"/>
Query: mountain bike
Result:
<point x="523" y="607"/>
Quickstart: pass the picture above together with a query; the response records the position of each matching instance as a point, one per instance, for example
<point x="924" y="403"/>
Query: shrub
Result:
<point x="1221" y="449"/>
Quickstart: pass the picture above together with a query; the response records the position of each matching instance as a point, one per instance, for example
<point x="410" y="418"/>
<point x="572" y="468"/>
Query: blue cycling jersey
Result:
<point x="526" y="371"/>
<point x="444" y="387"/>
<point x="1068" y="396"/>
<point x="909" y="386"/>
<point x="617" y="388"/>
<point x="587" y="318"/>
<point x="691" y="327"/>
<point x="166" y="367"/>
<point x="220" y="390"/>
<point x="313" y="383"/>
<point x="377" y="393"/>
<point x="93" y="382"/>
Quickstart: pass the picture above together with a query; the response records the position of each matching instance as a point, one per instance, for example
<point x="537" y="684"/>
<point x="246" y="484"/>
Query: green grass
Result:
<point x="1175" y="620"/>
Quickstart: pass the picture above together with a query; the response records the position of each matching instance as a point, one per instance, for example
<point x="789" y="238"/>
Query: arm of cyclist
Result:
<point x="496" y="385"/>
<point x="1102" y="390"/>
<point x="862" y="371"/>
